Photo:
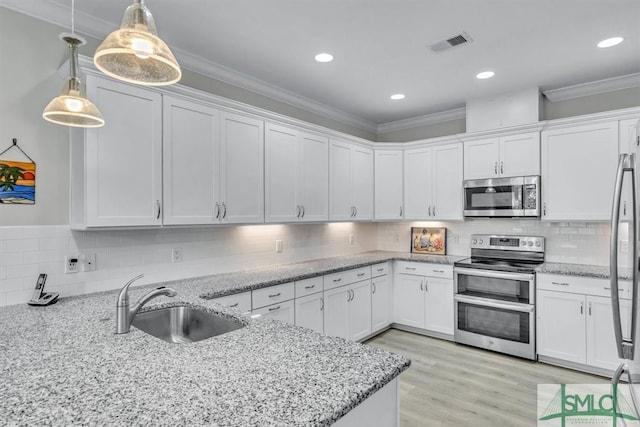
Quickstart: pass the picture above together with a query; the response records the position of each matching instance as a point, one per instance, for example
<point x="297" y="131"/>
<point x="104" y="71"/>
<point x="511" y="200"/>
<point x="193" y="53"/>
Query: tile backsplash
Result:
<point x="120" y="255"/>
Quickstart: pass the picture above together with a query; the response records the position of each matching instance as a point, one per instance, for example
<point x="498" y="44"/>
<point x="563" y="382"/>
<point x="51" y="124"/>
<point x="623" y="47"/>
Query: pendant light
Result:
<point x="135" y="53"/>
<point x="72" y="108"/>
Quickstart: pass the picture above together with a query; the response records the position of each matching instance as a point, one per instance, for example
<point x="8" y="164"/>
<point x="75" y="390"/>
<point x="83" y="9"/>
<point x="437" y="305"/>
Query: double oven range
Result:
<point x="495" y="294"/>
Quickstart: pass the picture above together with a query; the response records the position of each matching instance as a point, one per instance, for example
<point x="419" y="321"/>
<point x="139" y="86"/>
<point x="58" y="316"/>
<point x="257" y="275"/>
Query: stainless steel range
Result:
<point x="495" y="294"/>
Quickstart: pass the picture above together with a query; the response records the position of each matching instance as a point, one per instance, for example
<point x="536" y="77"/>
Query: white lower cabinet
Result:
<point x="381" y="298"/>
<point x="310" y="312"/>
<point x="282" y="311"/>
<point x="347" y="311"/>
<point x="578" y="327"/>
<point x="424" y="302"/>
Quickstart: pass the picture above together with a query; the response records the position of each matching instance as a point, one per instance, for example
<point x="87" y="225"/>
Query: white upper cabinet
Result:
<point x="504" y="156"/>
<point x="350" y="182"/>
<point x="190" y="159"/>
<point x="433" y="182"/>
<point x="116" y="170"/>
<point x="241" y="169"/>
<point x="578" y="172"/>
<point x="388" y="184"/>
<point x="296" y="175"/>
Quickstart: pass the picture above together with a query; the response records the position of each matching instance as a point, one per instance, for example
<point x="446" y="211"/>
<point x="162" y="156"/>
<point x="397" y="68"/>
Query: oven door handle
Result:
<point x="486" y="302"/>
<point x="494" y="273"/>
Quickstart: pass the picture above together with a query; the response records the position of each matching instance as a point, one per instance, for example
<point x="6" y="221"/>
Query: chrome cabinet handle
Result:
<point x="560" y="283"/>
<point x="429" y="214"/>
<point x="224" y="210"/>
<point x="380" y="269"/>
<point x="544" y="209"/>
<point x="409" y="268"/>
<point x="274" y="308"/>
<point x="501" y="167"/>
<point x="426" y="286"/>
<point x="321" y="304"/>
<point x="337" y="280"/>
<point x="298" y="211"/>
<point x="581" y="308"/>
<point x="348" y="295"/>
<point x="421" y="286"/>
<point x="302" y="206"/>
<point x="400" y="211"/>
<point x="434" y="210"/>
<point x="351" y="212"/>
<point x="217" y="210"/>
<point x="355" y="208"/>
<point x="495" y="168"/>
<point x="589" y="308"/>
<point x="438" y="271"/>
<point x="158" y="206"/>
<point x="361" y="274"/>
<point x="310" y="287"/>
<point x="624" y="208"/>
<point x="373" y="287"/>
<point x="234" y="305"/>
<point x="275" y="295"/>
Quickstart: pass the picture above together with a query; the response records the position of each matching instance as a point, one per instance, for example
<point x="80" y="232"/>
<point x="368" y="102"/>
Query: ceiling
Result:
<point x="381" y="47"/>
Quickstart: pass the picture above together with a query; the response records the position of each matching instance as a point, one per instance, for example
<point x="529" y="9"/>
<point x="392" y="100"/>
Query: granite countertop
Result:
<point x="583" y="270"/>
<point x="63" y="365"/>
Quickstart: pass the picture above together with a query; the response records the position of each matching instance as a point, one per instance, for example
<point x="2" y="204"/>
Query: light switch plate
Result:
<point x="278" y="246"/>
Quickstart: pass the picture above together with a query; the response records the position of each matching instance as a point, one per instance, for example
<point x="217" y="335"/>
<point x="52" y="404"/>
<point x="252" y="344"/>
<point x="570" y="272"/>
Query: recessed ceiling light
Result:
<point x="610" y="42"/>
<point x="324" y="57"/>
<point x="397" y="96"/>
<point x="485" y="75"/>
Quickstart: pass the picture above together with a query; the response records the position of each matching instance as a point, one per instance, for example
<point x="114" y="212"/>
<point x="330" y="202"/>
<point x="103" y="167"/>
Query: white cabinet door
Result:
<point x="310" y="312"/>
<point x="381" y="302"/>
<point x="282" y="311"/>
<point x="417" y="185"/>
<point x="362" y="183"/>
<point x="123" y="158"/>
<point x="281" y="174"/>
<point x="360" y="310"/>
<point x="409" y="300"/>
<point x="388" y="184"/>
<point x="601" y="342"/>
<point x="628" y="142"/>
<point x="520" y="155"/>
<point x="578" y="172"/>
<point x="313" y="178"/>
<point x="447" y="182"/>
<point x="439" y="305"/>
<point x="336" y="312"/>
<point x="190" y="172"/>
<point x="241" y="169"/>
<point x="340" y="202"/>
<point x="481" y="158"/>
<point x="561" y="326"/>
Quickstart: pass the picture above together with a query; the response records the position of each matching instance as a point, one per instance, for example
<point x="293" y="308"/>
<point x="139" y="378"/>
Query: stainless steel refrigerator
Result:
<point x="627" y="341"/>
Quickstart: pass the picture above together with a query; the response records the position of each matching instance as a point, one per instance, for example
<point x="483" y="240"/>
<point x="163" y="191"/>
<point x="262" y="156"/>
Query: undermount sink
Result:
<point x="183" y="324"/>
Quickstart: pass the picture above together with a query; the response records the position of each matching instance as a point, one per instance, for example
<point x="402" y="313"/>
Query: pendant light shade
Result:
<point x="72" y="108"/>
<point x="135" y="53"/>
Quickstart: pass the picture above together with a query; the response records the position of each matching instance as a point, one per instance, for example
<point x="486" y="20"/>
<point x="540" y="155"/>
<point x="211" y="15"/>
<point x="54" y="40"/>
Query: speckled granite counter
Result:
<point x="231" y="283"/>
<point x="63" y="365"/>
<point x="582" y="270"/>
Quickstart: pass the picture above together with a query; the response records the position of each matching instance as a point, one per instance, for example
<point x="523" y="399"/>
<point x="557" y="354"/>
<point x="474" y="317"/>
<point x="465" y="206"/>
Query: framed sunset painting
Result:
<point x="17" y="183"/>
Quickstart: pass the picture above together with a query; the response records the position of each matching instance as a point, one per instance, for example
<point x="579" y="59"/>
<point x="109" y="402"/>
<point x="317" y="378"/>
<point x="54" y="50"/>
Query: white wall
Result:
<point x="28" y="251"/>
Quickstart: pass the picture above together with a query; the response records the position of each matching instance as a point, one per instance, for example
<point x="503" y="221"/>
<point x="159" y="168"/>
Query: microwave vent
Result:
<point x="451" y="42"/>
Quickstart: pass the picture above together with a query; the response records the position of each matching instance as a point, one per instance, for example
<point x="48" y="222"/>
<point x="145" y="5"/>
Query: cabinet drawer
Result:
<point x="283" y="311"/>
<point x="346" y="277"/>
<point x="308" y="286"/>
<point x="240" y="301"/>
<point x="581" y="285"/>
<point x="444" y="271"/>
<point x="272" y="294"/>
<point x="380" y="269"/>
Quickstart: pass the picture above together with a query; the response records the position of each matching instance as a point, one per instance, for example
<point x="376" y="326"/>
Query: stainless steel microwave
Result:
<point x="502" y="197"/>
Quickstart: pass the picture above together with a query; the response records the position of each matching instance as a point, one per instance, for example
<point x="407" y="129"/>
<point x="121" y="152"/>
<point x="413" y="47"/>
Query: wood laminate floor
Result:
<point x="450" y="384"/>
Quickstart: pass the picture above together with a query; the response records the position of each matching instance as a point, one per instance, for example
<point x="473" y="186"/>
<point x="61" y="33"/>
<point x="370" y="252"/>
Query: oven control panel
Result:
<point x="513" y="243"/>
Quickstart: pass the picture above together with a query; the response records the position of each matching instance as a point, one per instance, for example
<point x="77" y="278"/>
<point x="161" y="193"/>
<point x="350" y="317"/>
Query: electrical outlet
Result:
<point x="176" y="254"/>
<point x="70" y="264"/>
<point x="351" y="239"/>
<point x="278" y="246"/>
<point x="89" y="262"/>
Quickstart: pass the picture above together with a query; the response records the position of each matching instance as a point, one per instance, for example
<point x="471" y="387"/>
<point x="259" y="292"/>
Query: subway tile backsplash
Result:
<point x="27" y="251"/>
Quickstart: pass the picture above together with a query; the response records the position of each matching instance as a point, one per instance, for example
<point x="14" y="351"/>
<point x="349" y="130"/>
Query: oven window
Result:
<point x="493" y="198"/>
<point x="494" y="322"/>
<point x="494" y="288"/>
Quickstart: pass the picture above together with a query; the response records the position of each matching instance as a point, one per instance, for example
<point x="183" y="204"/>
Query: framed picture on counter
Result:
<point x="431" y="241"/>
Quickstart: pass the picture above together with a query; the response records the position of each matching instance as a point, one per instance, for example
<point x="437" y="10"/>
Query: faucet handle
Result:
<point x="123" y="296"/>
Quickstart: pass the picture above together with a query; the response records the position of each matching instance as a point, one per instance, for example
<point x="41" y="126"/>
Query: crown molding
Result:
<point x="593" y="88"/>
<point x="594" y="118"/>
<point x="429" y="119"/>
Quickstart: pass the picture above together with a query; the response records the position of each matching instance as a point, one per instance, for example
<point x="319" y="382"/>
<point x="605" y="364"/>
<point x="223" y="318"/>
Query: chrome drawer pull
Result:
<point x="438" y="271"/>
<point x="234" y="305"/>
<point x="337" y="280"/>
<point x="275" y="295"/>
<point x="310" y="287"/>
<point x="380" y="269"/>
<point x="409" y="268"/>
<point x="360" y="274"/>
<point x="560" y="283"/>
<point x="274" y="308"/>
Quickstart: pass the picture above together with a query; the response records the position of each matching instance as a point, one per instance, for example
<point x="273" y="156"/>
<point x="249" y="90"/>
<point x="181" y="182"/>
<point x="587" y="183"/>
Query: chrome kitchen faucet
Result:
<point x="124" y="315"/>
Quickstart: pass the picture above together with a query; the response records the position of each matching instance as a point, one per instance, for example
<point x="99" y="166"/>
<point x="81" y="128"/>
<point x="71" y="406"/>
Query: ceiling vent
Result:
<point x="453" y="41"/>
